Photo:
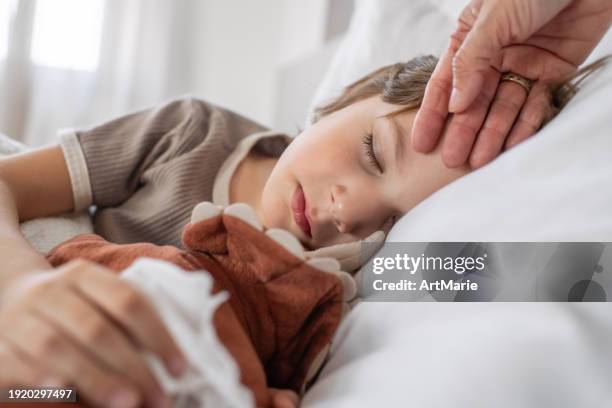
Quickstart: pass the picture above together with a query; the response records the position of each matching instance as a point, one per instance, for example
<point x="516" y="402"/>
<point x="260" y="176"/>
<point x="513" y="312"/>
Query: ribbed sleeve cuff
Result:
<point x="77" y="168"/>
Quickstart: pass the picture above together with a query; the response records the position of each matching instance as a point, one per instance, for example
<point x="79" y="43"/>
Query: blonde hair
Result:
<point x="404" y="84"/>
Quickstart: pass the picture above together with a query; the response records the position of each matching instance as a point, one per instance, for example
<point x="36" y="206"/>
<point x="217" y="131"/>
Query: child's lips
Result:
<point x="299" y="209"/>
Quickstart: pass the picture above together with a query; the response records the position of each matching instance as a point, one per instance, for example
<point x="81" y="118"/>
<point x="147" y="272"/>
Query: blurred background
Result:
<point x="75" y="63"/>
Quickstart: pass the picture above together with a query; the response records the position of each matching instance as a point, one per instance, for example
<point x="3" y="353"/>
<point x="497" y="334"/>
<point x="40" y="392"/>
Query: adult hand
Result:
<point x="542" y="40"/>
<point x="83" y="326"/>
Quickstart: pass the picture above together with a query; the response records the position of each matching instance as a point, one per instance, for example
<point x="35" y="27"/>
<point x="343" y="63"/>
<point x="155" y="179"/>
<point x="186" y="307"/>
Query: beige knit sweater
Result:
<point x="144" y="172"/>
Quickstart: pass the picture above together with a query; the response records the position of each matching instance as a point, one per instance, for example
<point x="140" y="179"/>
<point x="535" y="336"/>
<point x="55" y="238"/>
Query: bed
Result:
<point x="557" y="186"/>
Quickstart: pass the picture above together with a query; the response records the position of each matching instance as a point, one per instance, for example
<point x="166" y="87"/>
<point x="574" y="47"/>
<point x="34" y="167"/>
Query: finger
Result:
<point x="17" y="369"/>
<point x="131" y="309"/>
<point x="39" y="340"/>
<point x="474" y="57"/>
<point x="432" y="113"/>
<point x="503" y="112"/>
<point x="284" y="398"/>
<point x="532" y="115"/>
<point x="87" y="327"/>
<point x="464" y="126"/>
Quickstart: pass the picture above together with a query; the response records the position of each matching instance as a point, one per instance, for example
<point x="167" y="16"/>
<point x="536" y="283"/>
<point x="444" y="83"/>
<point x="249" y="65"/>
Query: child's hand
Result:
<point x="83" y="326"/>
<point x="284" y="398"/>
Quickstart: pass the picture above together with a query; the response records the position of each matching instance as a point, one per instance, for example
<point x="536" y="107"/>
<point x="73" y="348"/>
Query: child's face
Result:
<point x="350" y="191"/>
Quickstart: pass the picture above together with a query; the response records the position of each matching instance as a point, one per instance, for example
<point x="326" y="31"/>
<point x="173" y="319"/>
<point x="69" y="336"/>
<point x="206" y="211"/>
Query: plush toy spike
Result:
<point x="290" y="242"/>
<point x="245" y="213"/>
<point x="204" y="211"/>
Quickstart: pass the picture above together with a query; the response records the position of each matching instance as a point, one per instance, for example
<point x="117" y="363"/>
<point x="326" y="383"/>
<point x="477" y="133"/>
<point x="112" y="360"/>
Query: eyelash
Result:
<point x="368" y="146"/>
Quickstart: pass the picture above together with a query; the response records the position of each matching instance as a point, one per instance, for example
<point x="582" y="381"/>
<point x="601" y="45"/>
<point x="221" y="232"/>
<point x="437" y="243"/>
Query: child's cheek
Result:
<point x="273" y="211"/>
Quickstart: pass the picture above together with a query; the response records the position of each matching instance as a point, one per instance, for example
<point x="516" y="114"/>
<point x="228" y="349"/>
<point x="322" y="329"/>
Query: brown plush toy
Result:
<point x="283" y="309"/>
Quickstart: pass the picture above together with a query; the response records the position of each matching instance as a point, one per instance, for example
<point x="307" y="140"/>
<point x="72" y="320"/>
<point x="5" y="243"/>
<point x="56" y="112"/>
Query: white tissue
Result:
<point x="186" y="305"/>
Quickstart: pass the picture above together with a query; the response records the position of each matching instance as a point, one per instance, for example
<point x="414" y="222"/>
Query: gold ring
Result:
<point x="516" y="78"/>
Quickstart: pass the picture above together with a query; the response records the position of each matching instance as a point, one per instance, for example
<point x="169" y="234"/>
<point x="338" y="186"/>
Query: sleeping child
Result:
<point x="346" y="178"/>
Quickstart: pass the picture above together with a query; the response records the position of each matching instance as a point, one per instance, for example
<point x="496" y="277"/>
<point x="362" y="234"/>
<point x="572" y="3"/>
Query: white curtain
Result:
<point x="144" y="58"/>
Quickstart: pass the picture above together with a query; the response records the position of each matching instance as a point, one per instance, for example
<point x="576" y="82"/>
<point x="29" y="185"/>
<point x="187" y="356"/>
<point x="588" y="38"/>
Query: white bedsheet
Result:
<point x="470" y="355"/>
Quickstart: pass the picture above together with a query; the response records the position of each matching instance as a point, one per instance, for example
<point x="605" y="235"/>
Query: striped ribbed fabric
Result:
<point x="149" y="169"/>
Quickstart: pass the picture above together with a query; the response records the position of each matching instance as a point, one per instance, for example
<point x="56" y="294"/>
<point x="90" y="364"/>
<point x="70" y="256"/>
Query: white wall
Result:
<point x="239" y="47"/>
<point x="303" y="28"/>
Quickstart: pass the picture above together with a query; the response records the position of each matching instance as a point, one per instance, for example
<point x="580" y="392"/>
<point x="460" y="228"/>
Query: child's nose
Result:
<point x="347" y="209"/>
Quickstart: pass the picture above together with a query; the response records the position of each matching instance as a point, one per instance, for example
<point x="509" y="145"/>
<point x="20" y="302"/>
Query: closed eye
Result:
<point x="368" y="145"/>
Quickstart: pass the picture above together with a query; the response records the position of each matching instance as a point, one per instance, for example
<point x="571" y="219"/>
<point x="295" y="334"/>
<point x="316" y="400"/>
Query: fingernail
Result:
<point x="178" y="365"/>
<point x="123" y="399"/>
<point x="454" y="100"/>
